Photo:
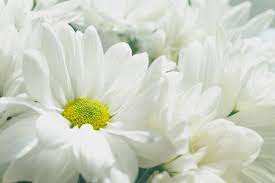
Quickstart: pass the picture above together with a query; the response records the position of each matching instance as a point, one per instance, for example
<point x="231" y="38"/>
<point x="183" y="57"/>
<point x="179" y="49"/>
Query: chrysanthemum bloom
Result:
<point x="91" y="114"/>
<point x="208" y="149"/>
<point x="245" y="72"/>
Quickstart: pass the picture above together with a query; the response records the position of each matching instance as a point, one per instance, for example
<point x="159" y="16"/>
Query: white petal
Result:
<point x="118" y="176"/>
<point x="159" y="67"/>
<point x="66" y="35"/>
<point x="196" y="105"/>
<point x="61" y="12"/>
<point x="126" y="160"/>
<point x="147" y="146"/>
<point x="43" y="166"/>
<point x="78" y="68"/>
<point x="3" y="169"/>
<point x="53" y="51"/>
<point x="198" y="177"/>
<point x="209" y="101"/>
<point x="2" y="3"/>
<point x="38" y="86"/>
<point x="163" y="177"/>
<point x="258" y="24"/>
<point x="258" y="88"/>
<point x="129" y="72"/>
<point x="228" y="146"/>
<point x="260" y="119"/>
<point x="237" y="16"/>
<point x="114" y="60"/>
<point x="93" y="154"/>
<point x="268" y="35"/>
<point x="93" y="60"/>
<point x="190" y="62"/>
<point x="137" y="111"/>
<point x="17" y="137"/>
<point x="53" y="130"/>
<point x="17" y="105"/>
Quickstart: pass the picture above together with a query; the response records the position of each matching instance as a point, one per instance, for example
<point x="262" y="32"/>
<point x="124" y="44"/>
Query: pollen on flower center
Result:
<point x="86" y="111"/>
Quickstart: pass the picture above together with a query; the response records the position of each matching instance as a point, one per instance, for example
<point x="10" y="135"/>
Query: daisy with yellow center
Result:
<point x="92" y="114"/>
<point x="86" y="111"/>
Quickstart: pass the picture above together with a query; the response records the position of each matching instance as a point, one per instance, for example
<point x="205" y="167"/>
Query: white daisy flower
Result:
<point x="245" y="72"/>
<point x="18" y="25"/>
<point x="18" y="30"/>
<point x="91" y="120"/>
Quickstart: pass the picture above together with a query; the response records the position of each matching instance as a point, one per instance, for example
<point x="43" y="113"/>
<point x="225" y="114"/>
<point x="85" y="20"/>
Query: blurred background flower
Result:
<point x="259" y="5"/>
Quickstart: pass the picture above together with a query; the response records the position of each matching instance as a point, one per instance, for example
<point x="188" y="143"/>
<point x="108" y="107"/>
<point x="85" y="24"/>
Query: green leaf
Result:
<point x="145" y="174"/>
<point x="235" y="111"/>
<point x="81" y="179"/>
<point x="34" y="5"/>
<point x="133" y="43"/>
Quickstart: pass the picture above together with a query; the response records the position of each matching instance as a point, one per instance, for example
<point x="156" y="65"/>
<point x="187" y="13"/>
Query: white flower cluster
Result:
<point x="136" y="91"/>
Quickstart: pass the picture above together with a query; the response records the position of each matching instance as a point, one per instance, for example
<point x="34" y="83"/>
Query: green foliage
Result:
<point x="235" y="111"/>
<point x="145" y="174"/>
<point x="133" y="43"/>
<point x="81" y="179"/>
<point x="34" y="4"/>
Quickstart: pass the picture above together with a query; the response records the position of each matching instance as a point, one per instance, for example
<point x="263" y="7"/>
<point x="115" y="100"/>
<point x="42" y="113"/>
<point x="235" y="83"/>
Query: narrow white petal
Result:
<point x="126" y="160"/>
<point x="147" y="145"/>
<point x="260" y="119"/>
<point x="93" y="154"/>
<point x="156" y="70"/>
<point x="39" y="86"/>
<point x="53" y="130"/>
<point x="237" y="15"/>
<point x="53" y="51"/>
<point x="93" y="61"/>
<point x="123" y="74"/>
<point x="198" y="177"/>
<point x="17" y="136"/>
<point x="258" y="24"/>
<point x="228" y="146"/>
<point x="43" y="166"/>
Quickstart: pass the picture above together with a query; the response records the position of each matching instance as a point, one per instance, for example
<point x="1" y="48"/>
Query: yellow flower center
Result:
<point x="86" y="111"/>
